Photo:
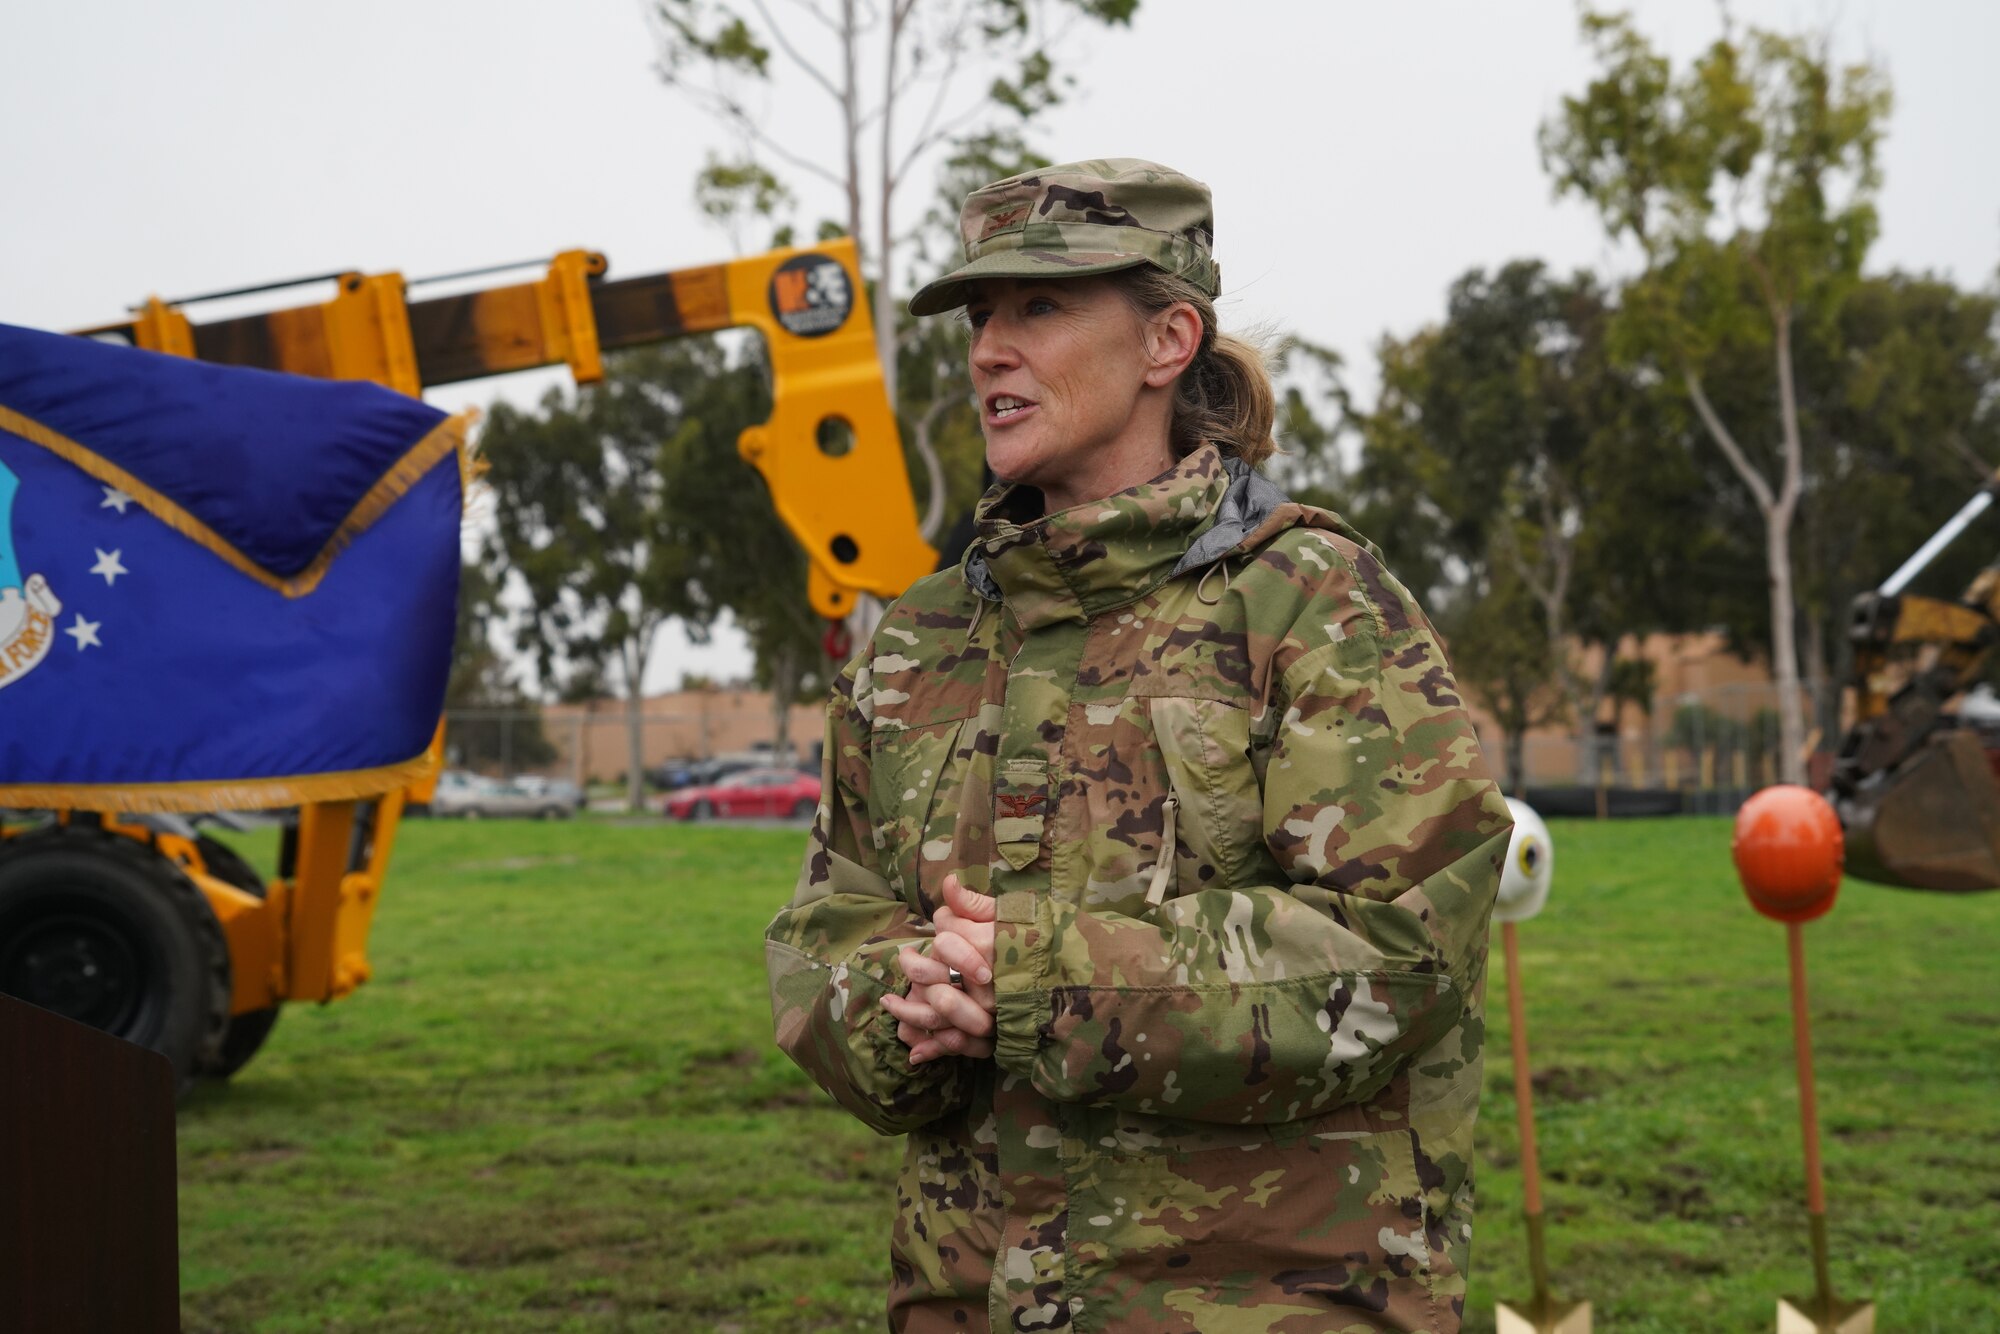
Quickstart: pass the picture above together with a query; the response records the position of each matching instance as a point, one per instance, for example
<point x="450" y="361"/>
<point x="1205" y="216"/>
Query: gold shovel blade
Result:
<point x="1561" y="1318"/>
<point x="1845" y="1318"/>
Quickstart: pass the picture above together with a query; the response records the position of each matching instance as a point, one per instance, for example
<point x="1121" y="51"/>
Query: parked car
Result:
<point x="677" y="774"/>
<point x="766" y="793"/>
<point x="560" y="789"/>
<point x="473" y="797"/>
<point x="673" y="774"/>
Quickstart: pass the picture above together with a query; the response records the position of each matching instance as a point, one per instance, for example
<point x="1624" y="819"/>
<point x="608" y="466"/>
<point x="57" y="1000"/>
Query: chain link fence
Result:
<point x="1697" y="752"/>
<point x="590" y="744"/>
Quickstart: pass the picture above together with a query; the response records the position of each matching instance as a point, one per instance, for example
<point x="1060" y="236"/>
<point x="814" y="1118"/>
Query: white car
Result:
<point x="560" y="789"/>
<point x="473" y="797"/>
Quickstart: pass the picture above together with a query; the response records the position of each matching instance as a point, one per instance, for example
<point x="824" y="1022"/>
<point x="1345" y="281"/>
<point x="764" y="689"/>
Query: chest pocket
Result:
<point x="1215" y="776"/>
<point x="908" y="769"/>
<point x="1020" y="809"/>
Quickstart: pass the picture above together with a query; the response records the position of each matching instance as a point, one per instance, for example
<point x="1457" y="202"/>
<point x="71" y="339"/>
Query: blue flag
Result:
<point x="218" y="586"/>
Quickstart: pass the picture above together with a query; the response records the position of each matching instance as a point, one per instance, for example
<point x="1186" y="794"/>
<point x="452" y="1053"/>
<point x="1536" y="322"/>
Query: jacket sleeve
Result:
<point x="1270" y="1002"/>
<point x="831" y="953"/>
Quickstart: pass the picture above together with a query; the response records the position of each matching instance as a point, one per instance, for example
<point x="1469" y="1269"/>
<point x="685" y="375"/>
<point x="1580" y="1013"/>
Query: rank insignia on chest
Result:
<point x="1020" y="805"/>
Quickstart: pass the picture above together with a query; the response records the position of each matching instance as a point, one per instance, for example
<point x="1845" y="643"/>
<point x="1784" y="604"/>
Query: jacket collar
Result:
<point x="1101" y="554"/>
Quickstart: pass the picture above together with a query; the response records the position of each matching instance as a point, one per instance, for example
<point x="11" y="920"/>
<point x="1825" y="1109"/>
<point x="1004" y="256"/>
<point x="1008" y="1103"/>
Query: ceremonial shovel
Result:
<point x="1788" y="851"/>
<point x="1524" y="888"/>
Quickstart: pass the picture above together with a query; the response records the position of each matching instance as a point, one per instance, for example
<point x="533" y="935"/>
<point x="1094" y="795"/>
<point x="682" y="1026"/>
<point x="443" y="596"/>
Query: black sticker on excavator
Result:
<point x="811" y="295"/>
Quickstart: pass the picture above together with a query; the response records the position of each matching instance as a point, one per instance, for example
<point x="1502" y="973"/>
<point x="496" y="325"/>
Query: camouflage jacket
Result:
<point x="1208" y="754"/>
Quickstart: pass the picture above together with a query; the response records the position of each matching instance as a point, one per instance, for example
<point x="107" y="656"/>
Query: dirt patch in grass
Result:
<point x="526" y="1236"/>
<point x="239" y="1165"/>
<point x="789" y="1097"/>
<point x="1567" y="1083"/>
<point x="1680" y="1194"/>
<point x="515" y="863"/>
<point x="230" y="1306"/>
<point x="505" y="1252"/>
<point x="1863" y="1134"/>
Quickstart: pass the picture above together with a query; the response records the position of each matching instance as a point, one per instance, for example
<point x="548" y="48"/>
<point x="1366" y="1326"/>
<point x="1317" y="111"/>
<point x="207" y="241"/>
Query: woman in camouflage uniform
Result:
<point x="1149" y="892"/>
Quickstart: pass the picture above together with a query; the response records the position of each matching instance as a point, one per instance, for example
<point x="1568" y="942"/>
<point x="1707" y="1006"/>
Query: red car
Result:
<point x="762" y="793"/>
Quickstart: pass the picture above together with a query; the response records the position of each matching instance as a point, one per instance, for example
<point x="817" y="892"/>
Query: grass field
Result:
<point x="557" y="1106"/>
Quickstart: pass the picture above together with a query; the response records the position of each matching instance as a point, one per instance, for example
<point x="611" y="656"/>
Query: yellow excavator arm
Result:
<point x="830" y="452"/>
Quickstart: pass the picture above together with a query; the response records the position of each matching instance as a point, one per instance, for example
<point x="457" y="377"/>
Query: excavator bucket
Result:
<point x="1932" y="822"/>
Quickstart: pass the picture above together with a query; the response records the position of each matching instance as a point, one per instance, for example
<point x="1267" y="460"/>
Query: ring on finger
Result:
<point x="956" y="978"/>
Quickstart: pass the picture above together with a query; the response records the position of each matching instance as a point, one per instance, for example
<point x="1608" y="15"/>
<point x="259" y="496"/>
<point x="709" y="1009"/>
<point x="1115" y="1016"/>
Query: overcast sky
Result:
<point x="1362" y="155"/>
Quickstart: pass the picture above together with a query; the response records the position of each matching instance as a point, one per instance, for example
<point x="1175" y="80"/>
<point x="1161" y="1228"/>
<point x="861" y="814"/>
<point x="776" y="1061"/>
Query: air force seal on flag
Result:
<point x="218" y="586"/>
<point x="27" y="606"/>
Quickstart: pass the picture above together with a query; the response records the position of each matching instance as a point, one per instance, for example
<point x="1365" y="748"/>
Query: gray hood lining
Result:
<point x="1249" y="500"/>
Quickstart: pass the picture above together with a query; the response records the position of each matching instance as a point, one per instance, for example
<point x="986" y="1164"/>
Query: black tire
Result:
<point x="102" y="929"/>
<point x="804" y="810"/>
<point x="701" y="810"/>
<point x="247" y="1031"/>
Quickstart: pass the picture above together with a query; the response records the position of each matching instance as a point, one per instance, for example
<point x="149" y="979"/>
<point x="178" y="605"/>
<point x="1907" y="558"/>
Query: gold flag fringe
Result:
<point x="447" y="438"/>
<point x="221" y="794"/>
<point x="472" y="465"/>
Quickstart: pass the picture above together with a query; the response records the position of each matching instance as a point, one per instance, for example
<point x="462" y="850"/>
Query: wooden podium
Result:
<point x="87" y="1222"/>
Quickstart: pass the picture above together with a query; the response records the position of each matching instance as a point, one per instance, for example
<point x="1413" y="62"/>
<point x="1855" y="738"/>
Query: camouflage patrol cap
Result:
<point x="1081" y="218"/>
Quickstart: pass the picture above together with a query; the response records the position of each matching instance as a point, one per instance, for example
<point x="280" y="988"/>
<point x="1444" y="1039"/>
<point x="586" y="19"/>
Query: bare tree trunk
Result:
<point x="887" y="308"/>
<point x="1590" y="746"/>
<point x="1553" y="593"/>
<point x="885" y="313"/>
<point x="885" y="236"/>
<point x="1514" y="714"/>
<point x="926" y="447"/>
<point x="1784" y="654"/>
<point x="1778" y="510"/>
<point x="1784" y="649"/>
<point x="635" y="747"/>
<point x="784" y="688"/>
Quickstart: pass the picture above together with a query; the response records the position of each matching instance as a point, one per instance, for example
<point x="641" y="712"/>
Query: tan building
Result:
<point x="590" y="738"/>
<point x="1698" y="668"/>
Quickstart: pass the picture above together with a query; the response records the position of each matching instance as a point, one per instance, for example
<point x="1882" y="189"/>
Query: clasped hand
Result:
<point x="938" y="1018"/>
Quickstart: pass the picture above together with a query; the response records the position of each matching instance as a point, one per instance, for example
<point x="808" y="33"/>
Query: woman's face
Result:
<point x="1070" y="385"/>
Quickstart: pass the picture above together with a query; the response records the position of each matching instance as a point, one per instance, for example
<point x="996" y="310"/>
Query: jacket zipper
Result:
<point x="1156" y="893"/>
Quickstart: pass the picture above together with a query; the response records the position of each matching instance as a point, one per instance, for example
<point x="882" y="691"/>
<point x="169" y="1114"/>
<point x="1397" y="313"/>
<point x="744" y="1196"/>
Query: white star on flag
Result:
<point x="108" y="565"/>
<point x="85" y="633"/>
<point x="114" y="499"/>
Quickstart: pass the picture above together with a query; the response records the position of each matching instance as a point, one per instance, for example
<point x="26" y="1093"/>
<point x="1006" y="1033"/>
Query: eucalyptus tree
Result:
<point x="622" y="504"/>
<point x="1747" y="182"/>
